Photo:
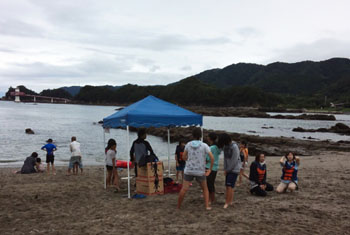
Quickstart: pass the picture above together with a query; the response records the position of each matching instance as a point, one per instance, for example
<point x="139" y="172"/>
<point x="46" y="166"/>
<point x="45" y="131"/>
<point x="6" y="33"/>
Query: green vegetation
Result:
<point x="278" y="85"/>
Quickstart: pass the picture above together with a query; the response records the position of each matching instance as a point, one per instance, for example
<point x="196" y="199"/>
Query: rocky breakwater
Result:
<point x="271" y="146"/>
<point x="339" y="128"/>
<point x="253" y="112"/>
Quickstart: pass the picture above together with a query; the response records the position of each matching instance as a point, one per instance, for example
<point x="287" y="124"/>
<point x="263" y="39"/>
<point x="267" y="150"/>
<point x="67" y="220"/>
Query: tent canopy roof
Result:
<point x="152" y="112"/>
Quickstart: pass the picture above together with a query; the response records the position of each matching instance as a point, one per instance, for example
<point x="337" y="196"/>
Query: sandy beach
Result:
<point x="42" y="204"/>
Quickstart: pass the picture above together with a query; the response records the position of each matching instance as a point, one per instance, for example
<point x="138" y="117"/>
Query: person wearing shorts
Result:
<point x="212" y="137"/>
<point x="195" y="157"/>
<point x="75" y="160"/>
<point x="50" y="158"/>
<point x="289" y="179"/>
<point x="232" y="165"/>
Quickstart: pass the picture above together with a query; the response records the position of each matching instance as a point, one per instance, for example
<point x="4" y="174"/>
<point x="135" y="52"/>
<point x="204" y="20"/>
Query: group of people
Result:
<point x="32" y="164"/>
<point x="196" y="160"/>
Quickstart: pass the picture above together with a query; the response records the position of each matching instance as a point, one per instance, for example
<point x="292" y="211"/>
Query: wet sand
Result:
<point x="42" y="204"/>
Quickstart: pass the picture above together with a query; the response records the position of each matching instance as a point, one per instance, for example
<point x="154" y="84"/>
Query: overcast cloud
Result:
<point x="49" y="44"/>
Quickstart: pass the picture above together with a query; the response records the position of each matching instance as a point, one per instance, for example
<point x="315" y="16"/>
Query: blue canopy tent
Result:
<point x="152" y="112"/>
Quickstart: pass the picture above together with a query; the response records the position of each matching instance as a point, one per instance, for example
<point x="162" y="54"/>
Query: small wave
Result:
<point x="8" y="160"/>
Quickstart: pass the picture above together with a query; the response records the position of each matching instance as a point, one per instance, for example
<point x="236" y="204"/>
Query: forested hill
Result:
<point x="301" y="85"/>
<point x="328" y="77"/>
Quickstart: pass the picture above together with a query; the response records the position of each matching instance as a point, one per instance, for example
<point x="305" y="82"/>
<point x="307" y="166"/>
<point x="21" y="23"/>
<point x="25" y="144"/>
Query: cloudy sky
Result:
<point x="49" y="44"/>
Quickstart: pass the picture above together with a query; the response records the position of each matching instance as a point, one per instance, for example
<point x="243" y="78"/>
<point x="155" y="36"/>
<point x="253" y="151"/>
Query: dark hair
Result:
<point x="49" y="141"/>
<point x="182" y="141"/>
<point x="38" y="160"/>
<point x="141" y="132"/>
<point x="34" y="154"/>
<point x="74" y="138"/>
<point x="197" y="133"/>
<point x="213" y="137"/>
<point x="244" y="143"/>
<point x="288" y="154"/>
<point x="224" y="139"/>
<point x="257" y="157"/>
<point x="110" y="143"/>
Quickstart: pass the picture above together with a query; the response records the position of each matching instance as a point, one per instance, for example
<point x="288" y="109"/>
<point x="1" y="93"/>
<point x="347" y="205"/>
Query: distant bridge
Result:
<point x="17" y="94"/>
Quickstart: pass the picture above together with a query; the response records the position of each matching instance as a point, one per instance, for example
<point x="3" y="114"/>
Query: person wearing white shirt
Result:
<point x="75" y="159"/>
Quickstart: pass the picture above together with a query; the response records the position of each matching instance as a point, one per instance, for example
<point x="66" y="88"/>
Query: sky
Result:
<point x="46" y="44"/>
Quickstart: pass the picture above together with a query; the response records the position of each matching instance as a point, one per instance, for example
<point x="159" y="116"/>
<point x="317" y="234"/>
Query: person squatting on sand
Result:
<point x="30" y="165"/>
<point x="195" y="157"/>
<point x="257" y="176"/>
<point x="289" y="179"/>
<point x="180" y="163"/>
<point x="75" y="159"/>
<point x="243" y="152"/>
<point x="212" y="137"/>
<point x="232" y="165"/>
<point x="50" y="158"/>
<point x="140" y="147"/>
<point x="111" y="152"/>
<point x="40" y="167"/>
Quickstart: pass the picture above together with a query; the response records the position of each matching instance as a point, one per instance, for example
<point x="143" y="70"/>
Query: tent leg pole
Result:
<point x="168" y="152"/>
<point x="202" y="132"/>
<point x="104" y="165"/>
<point x="127" y="151"/>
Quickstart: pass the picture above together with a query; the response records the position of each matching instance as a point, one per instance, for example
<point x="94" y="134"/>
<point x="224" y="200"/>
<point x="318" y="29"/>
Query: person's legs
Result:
<point x="292" y="186"/>
<point x="75" y="169"/>
<point x="269" y="187"/>
<point x="258" y="191"/>
<point x="281" y="188"/>
<point x="228" y="197"/>
<point x="48" y="168"/>
<point x="109" y="176"/>
<point x="177" y="176"/>
<point x="211" y="185"/>
<point x="70" y="166"/>
<point x="203" y="184"/>
<point x="116" y="179"/>
<point x="182" y="177"/>
<point x="182" y="193"/>
<point x="240" y="177"/>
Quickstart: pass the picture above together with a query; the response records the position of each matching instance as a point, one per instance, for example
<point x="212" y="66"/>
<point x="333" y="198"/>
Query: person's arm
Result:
<point x="264" y="179"/>
<point x="149" y="148"/>
<point x="43" y="148"/>
<point x="254" y="173"/>
<point x="176" y="159"/>
<point x="211" y="163"/>
<point x="185" y="155"/>
<point x="71" y="148"/>
<point x="297" y="159"/>
<point x="282" y="161"/>
<point x="245" y="152"/>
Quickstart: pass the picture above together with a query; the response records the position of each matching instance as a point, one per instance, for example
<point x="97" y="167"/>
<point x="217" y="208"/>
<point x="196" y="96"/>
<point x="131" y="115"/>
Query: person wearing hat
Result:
<point x="50" y="158"/>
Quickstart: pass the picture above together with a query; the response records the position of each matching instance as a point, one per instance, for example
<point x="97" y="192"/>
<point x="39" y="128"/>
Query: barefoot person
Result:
<point x="243" y="151"/>
<point x="50" y="158"/>
<point x="180" y="163"/>
<point x="111" y="152"/>
<point x="75" y="160"/>
<point x="289" y="179"/>
<point x="232" y="165"/>
<point x="212" y="138"/>
<point x="195" y="157"/>
<point x="257" y="176"/>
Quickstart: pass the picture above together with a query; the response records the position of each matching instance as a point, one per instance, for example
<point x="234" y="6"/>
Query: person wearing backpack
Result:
<point x="195" y="157"/>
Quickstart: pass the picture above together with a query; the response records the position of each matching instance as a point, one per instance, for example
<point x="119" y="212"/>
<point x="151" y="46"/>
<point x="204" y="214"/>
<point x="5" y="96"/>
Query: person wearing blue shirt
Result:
<point x="50" y="158"/>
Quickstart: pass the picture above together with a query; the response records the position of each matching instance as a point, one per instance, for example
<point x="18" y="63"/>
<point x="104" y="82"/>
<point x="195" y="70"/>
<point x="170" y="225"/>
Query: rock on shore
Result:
<point x="339" y="128"/>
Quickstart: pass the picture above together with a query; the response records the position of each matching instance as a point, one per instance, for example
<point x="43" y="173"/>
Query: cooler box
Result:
<point x="149" y="181"/>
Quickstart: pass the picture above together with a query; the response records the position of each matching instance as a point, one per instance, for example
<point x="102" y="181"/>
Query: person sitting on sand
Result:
<point x="40" y="167"/>
<point x="180" y="163"/>
<point x="30" y="165"/>
<point x="140" y="147"/>
<point x="232" y="165"/>
<point x="111" y="164"/>
<point x="75" y="159"/>
<point x="50" y="158"/>
<point x="243" y="151"/>
<point x="195" y="157"/>
<point x="212" y="137"/>
<point x="257" y="176"/>
<point x="289" y="179"/>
